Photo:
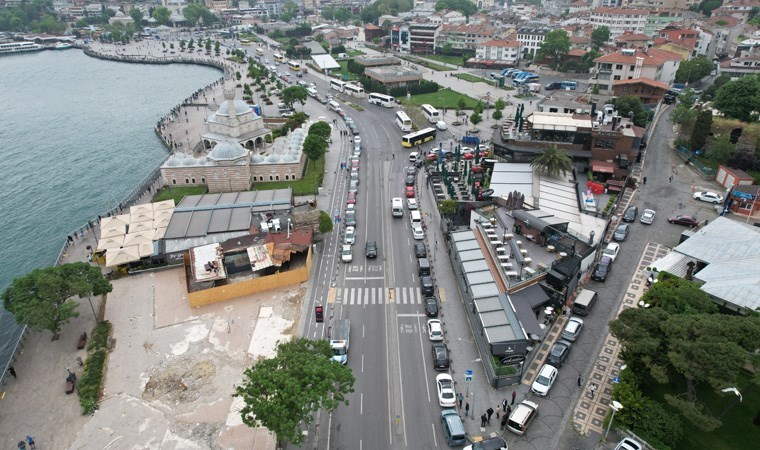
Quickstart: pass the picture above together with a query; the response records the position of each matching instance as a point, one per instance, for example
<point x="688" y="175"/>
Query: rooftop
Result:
<point x="652" y="57"/>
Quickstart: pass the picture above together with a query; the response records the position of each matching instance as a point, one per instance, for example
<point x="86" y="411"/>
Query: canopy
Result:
<point x="110" y="222"/>
<point x="145" y="249"/>
<point x="124" y="255"/>
<point x="140" y="227"/>
<point x="162" y="222"/>
<point x="164" y="205"/>
<point x="141" y="217"/>
<point x="119" y="230"/>
<point x="141" y="209"/>
<point x="160" y="232"/>
<point x="114" y="242"/>
<point x="162" y="214"/>
<point x="142" y="237"/>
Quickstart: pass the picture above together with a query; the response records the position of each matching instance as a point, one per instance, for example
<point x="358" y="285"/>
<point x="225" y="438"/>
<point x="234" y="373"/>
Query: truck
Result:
<point x="339" y="337"/>
<point x="534" y="87"/>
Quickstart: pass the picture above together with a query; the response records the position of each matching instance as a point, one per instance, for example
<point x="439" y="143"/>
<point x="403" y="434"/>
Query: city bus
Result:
<point x="432" y="114"/>
<point x="354" y="90"/>
<point x="259" y="51"/>
<point x="381" y="100"/>
<point x="245" y="42"/>
<point x="337" y="85"/>
<point x="419" y="137"/>
<point x="403" y="121"/>
<point x="278" y="57"/>
<point x="294" y="66"/>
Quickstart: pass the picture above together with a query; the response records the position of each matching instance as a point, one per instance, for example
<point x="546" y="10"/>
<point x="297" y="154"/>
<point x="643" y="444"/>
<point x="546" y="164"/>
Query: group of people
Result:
<point x="485" y="419"/>
<point x="28" y="440"/>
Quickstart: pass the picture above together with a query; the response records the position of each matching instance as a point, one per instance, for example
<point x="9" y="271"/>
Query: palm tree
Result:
<point x="553" y="161"/>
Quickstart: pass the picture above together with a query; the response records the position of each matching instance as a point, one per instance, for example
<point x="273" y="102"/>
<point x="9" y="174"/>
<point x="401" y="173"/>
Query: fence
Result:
<point x="690" y="158"/>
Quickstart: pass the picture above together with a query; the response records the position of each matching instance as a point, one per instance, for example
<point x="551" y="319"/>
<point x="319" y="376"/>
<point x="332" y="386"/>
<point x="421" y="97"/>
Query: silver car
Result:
<point x="572" y="329"/>
<point x="647" y="217"/>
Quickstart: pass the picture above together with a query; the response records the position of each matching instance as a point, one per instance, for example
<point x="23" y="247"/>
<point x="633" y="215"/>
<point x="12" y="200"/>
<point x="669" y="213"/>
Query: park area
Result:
<point x="444" y="98"/>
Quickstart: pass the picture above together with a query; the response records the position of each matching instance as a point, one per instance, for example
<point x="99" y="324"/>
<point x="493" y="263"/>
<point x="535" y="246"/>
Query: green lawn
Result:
<point x="353" y="53"/>
<point x="472" y="78"/>
<point x="344" y="71"/>
<point x="445" y="98"/>
<point x="737" y="432"/>
<point x="456" y="60"/>
<point x="307" y="185"/>
<point x="178" y="193"/>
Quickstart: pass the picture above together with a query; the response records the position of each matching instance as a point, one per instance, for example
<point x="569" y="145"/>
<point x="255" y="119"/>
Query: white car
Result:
<point x="612" y="250"/>
<point x="544" y="380"/>
<point x="345" y="254"/>
<point x="417" y="233"/>
<point x="350" y="207"/>
<point x="435" y="330"/>
<point x="350" y="236"/>
<point x="629" y="444"/>
<point x="710" y="197"/>
<point x="441" y="125"/>
<point x="445" y="386"/>
<point x="647" y="217"/>
<point x="411" y="203"/>
<point x="357" y="141"/>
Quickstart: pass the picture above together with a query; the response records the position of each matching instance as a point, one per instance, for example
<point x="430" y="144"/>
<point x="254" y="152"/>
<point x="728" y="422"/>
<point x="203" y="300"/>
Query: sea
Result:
<point x="76" y="136"/>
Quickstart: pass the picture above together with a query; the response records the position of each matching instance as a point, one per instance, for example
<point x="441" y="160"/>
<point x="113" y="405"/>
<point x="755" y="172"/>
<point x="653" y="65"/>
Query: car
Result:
<point x="322" y="99"/>
<point x="544" y="381"/>
<point x="602" y="270"/>
<point x="647" y="217"/>
<point x="354" y="163"/>
<point x="630" y="214"/>
<point x="411" y="170"/>
<point x="492" y="443"/>
<point x="426" y="286"/>
<point x="441" y="125"/>
<point x="435" y="330"/>
<point x="353" y="186"/>
<point x="418" y="233"/>
<point x="287" y="114"/>
<point x="559" y="352"/>
<point x="346" y="255"/>
<point x="419" y="250"/>
<point x="350" y="219"/>
<point x="572" y="329"/>
<point x="357" y="140"/>
<point x="409" y="180"/>
<point x="611" y="250"/>
<point x="440" y="357"/>
<point x="351" y="198"/>
<point x="411" y="203"/>
<point x="445" y="387"/>
<point x="621" y="233"/>
<point x="629" y="444"/>
<point x="350" y="236"/>
<point x="409" y="192"/>
<point x="370" y="249"/>
<point x="350" y="207"/>
<point x="431" y="306"/>
<point x="312" y="85"/>
<point x="302" y="83"/>
<point x="689" y="221"/>
<point x="710" y="197"/>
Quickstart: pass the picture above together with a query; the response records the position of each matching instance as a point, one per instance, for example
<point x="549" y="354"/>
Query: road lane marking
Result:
<point x="442" y="295"/>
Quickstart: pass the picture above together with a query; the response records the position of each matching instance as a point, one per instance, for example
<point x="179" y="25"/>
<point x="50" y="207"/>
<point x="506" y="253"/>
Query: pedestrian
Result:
<point x="645" y="180"/>
<point x="504" y="404"/>
<point x="12" y="371"/>
<point x="466" y="409"/>
<point x="580" y="380"/>
<point x="21" y="445"/>
<point x="483" y="420"/>
<point x="509" y="412"/>
<point x="514" y="395"/>
<point x="670" y="179"/>
<point x="504" y="422"/>
<point x="489" y="411"/>
<point x="460" y="397"/>
<point x="393" y="156"/>
<point x="30" y="441"/>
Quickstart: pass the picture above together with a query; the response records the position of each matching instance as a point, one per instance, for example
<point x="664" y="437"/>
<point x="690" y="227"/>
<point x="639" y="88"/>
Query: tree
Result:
<point x="42" y="299"/>
<point x="683" y="116"/>
<point x="321" y="129"/>
<point x="695" y="69"/>
<point x="479" y="107"/>
<point x="707" y="6"/>
<point x="701" y="130"/>
<point x="630" y="106"/>
<point x="162" y="15"/>
<point x="739" y="99"/>
<point x="709" y="93"/>
<point x="137" y="16"/>
<point x="555" y="46"/>
<point x="466" y="7"/>
<point x="292" y="94"/>
<point x="283" y="392"/>
<point x="721" y="150"/>
<point x="195" y="11"/>
<point x="497" y="115"/>
<point x="314" y="146"/>
<point x="499" y="104"/>
<point x="461" y="103"/>
<point x="599" y="37"/>
<point x="476" y="118"/>
<point x="554" y="161"/>
<point x="448" y="207"/>
<point x="289" y="11"/>
<point x="325" y="222"/>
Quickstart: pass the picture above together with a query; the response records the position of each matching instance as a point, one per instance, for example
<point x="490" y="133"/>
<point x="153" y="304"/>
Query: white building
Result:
<point x="619" y="20"/>
<point x="499" y="50"/>
<point x="530" y="40"/>
<point x="628" y="64"/>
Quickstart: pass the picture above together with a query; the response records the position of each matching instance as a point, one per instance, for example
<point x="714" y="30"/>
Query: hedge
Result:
<point x="91" y="380"/>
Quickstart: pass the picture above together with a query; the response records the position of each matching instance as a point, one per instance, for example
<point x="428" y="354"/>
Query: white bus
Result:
<point x="337" y="85"/>
<point x="403" y="121"/>
<point x="259" y="51"/>
<point x="431" y="113"/>
<point x="278" y="57"/>
<point x="294" y="65"/>
<point x="354" y="90"/>
<point x="381" y="99"/>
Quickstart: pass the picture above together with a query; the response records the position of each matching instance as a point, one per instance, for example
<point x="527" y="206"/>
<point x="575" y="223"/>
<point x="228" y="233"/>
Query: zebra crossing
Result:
<point x="379" y="296"/>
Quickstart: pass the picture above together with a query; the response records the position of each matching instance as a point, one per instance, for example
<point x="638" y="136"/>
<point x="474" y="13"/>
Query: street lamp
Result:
<point x="616" y="406"/>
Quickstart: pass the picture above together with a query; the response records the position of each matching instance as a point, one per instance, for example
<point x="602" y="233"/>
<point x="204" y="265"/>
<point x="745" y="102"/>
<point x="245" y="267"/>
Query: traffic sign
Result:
<point x="468" y="375"/>
<point x="616" y="380"/>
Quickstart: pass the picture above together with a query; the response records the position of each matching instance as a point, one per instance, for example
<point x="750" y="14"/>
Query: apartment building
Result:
<point x="619" y="20"/>
<point x="501" y="51"/>
<point x="463" y="37"/>
<point x="628" y="64"/>
<point x="661" y="18"/>
<point x="422" y="38"/>
<point x="530" y="40"/>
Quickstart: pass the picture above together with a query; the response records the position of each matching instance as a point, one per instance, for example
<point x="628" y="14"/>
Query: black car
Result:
<point x="431" y="306"/>
<point x="631" y="214"/>
<point x="602" y="269"/>
<point x="621" y="233"/>
<point x="559" y="352"/>
<point x="409" y="180"/>
<point x="370" y="249"/>
<point x="411" y="170"/>
<point x="440" y="357"/>
<point x="426" y="284"/>
<point x="419" y="250"/>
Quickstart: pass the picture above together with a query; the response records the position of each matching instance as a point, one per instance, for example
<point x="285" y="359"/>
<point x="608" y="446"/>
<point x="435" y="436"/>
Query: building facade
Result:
<point x="627" y="64"/>
<point x="619" y="20"/>
<point x="507" y="52"/>
<point x="530" y="40"/>
<point x="422" y="38"/>
<point x="463" y="37"/>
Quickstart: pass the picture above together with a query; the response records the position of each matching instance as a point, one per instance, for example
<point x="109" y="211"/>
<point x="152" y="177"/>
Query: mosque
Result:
<point x="236" y="152"/>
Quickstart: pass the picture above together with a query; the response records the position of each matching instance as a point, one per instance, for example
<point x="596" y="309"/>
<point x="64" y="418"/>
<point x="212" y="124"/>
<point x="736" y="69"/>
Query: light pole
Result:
<point x="616" y="406"/>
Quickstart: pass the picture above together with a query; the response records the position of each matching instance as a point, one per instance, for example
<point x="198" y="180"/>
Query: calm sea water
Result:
<point x="76" y="136"/>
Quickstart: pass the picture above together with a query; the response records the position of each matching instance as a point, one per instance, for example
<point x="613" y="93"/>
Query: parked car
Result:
<point x="602" y="269"/>
<point x="629" y="444"/>
<point x="350" y="219"/>
<point x="418" y="233"/>
<point x="689" y="221"/>
<point x="345" y="254"/>
<point x="409" y="180"/>
<point x="559" y="352"/>
<point x="631" y="213"/>
<point x="419" y="250"/>
<point x="612" y="250"/>
<point x="431" y="306"/>
<point x="492" y="443"/>
<point x="435" y="330"/>
<point x="440" y="357"/>
<point x="351" y="199"/>
<point x="710" y="197"/>
<point x="544" y="380"/>
<point x="411" y="170"/>
<point x="350" y="236"/>
<point x="621" y="233"/>
<point x="647" y="217"/>
<point x="445" y="388"/>
<point x="370" y="249"/>
<point x="426" y="285"/>
<point x="441" y="125"/>
<point x="409" y="192"/>
<point x="572" y="329"/>
<point x="411" y="203"/>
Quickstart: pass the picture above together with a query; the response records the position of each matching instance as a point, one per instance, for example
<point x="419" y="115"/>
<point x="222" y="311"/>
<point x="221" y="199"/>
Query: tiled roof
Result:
<point x="499" y="43"/>
<point x="646" y="81"/>
<point x="730" y="21"/>
<point x="653" y="57"/>
<point x="620" y="11"/>
<point x="627" y="37"/>
<point x="472" y="29"/>
<point x="579" y="40"/>
<point x="576" y="52"/>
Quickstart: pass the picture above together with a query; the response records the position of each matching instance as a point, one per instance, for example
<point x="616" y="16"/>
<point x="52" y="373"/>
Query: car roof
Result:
<point x="444" y="376"/>
<point x="547" y="369"/>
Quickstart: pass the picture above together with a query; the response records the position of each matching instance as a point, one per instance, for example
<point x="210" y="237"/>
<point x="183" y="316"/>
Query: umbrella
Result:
<point x="160" y="214"/>
<point x="477" y="154"/>
<point x="121" y="230"/>
<point x="161" y="223"/>
<point x="141" y="217"/>
<point x="145" y="250"/>
<point x="140" y="227"/>
<point x="164" y="205"/>
<point x="509" y="201"/>
<point x="114" y="242"/>
<point x="142" y="237"/>
<point x="160" y="232"/>
<point x="124" y="255"/>
<point x="114" y="221"/>
<point x="141" y="209"/>
<point x="458" y="153"/>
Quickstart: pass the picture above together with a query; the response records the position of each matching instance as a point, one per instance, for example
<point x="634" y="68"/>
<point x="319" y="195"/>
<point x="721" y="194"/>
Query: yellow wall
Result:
<point x="254" y="286"/>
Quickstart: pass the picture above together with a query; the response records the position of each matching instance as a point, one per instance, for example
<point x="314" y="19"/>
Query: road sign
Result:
<point x="616" y="380"/>
<point x="468" y="375"/>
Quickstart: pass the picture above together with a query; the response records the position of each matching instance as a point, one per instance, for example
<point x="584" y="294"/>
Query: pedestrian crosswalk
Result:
<point x="379" y="296"/>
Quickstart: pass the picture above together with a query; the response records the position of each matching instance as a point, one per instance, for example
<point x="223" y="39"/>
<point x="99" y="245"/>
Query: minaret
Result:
<point x="229" y="96"/>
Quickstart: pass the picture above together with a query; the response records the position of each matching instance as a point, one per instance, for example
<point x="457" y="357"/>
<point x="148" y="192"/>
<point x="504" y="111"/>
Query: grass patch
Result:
<point x="353" y="53"/>
<point x="472" y="78"/>
<point x="177" y="193"/>
<point x="448" y="59"/>
<point x="356" y="107"/>
<point x="345" y="74"/>
<point x="445" y="98"/>
<point x="91" y="380"/>
<point x="307" y="185"/>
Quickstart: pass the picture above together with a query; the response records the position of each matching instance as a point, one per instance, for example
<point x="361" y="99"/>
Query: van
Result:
<point x="335" y="106"/>
<point x="453" y="428"/>
<point x="423" y="266"/>
<point x="416" y="218"/>
<point x="312" y="92"/>
<point x="397" y="207"/>
<point x="413" y="157"/>
<point x="521" y="417"/>
<point x="584" y="303"/>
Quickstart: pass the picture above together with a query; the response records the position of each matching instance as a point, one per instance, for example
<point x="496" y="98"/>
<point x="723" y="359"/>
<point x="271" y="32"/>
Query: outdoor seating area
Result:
<point x="456" y="173"/>
<point x="130" y="237"/>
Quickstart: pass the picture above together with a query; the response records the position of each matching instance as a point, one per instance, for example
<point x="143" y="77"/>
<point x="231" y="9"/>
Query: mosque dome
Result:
<point x="273" y="158"/>
<point x="202" y="161"/>
<point x="173" y="162"/>
<point x="257" y="159"/>
<point x="241" y="107"/>
<point x="227" y="151"/>
<point x="188" y="162"/>
<point x="288" y="158"/>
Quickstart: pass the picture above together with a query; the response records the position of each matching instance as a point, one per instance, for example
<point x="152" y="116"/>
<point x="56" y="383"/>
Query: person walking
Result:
<point x="466" y="409"/>
<point x="460" y="397"/>
<point x="12" y="371"/>
<point x="645" y="180"/>
<point x="580" y="380"/>
<point x="514" y="396"/>
<point x="504" y="422"/>
<point x="483" y="420"/>
<point x="504" y="404"/>
<point x="489" y="411"/>
<point x="30" y="441"/>
<point x="509" y="411"/>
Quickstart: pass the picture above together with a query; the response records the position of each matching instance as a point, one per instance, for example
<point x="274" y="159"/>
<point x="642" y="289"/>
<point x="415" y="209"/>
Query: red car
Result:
<point x="351" y="198"/>
<point x="689" y="221"/>
<point x="355" y="164"/>
<point x="409" y="192"/>
<point x="477" y="169"/>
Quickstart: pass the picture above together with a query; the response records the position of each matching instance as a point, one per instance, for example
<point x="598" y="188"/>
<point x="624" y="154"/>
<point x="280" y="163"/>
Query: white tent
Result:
<point x="162" y="214"/>
<point x="141" y="209"/>
<point x="140" y="227"/>
<point x="114" y="221"/>
<point x="124" y="255"/>
<point x="119" y="230"/>
<point x="160" y="232"/>
<point x="164" y="205"/>
<point x="141" y="217"/>
<point x="143" y="237"/>
<point x="114" y="242"/>
<point x="145" y="249"/>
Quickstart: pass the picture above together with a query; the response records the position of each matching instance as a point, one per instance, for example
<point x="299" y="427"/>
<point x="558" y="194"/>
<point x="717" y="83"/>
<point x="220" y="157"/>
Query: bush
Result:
<point x="338" y="49"/>
<point x="425" y="87"/>
<point x="325" y="222"/>
<point x="91" y="380"/>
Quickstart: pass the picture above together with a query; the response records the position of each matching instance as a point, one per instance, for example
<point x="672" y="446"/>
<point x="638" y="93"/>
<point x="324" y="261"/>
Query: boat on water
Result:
<point x="62" y="46"/>
<point x="19" y="47"/>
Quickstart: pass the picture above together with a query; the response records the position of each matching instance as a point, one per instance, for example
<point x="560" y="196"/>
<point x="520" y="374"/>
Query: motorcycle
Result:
<point x="71" y="382"/>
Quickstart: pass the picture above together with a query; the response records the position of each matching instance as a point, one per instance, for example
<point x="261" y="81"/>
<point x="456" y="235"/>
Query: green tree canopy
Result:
<point x="476" y="118"/>
<point x="695" y="69"/>
<point x="555" y="46"/>
<point x="325" y="222"/>
<point x="195" y="11"/>
<point x="631" y="106"/>
<point x="497" y="115"/>
<point x="293" y="94"/>
<point x="162" y="15"/>
<point x="701" y="130"/>
<point x="599" y="37"/>
<point x="708" y="6"/>
<point x="554" y="161"/>
<point x="499" y="104"/>
<point x="314" y="146"/>
<point x="466" y="7"/>
<point x="43" y="299"/>
<point x="289" y="11"/>
<point x="321" y="129"/>
<point x="448" y="207"/>
<point x="739" y="99"/>
<point x="283" y="392"/>
<point x="136" y="15"/>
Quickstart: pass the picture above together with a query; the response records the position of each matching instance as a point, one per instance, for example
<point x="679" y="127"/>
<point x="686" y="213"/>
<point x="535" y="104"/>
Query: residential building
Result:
<point x="739" y="9"/>
<point x="579" y="6"/>
<point x="619" y="20"/>
<point x="649" y="91"/>
<point x="741" y="66"/>
<point x="399" y="40"/>
<point x="463" y="37"/>
<point x="627" y="64"/>
<point x="632" y="40"/>
<point x="372" y="31"/>
<point x="502" y="52"/>
<point x="653" y="4"/>
<point x="447" y="17"/>
<point x="661" y="18"/>
<point x="530" y="40"/>
<point x="726" y="31"/>
<point x="677" y="40"/>
<point x="422" y="38"/>
<point x="393" y="76"/>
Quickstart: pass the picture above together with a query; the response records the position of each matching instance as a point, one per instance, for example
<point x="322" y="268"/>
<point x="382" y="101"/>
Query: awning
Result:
<point x="602" y="166"/>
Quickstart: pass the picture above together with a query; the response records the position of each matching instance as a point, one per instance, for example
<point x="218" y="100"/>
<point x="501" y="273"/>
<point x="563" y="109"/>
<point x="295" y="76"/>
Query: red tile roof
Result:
<point x="627" y="37"/>
<point x="576" y="52"/>
<point x="653" y="57"/>
<point x="500" y="43"/>
<point x="620" y="11"/>
<point x="646" y="81"/>
<point x="579" y="40"/>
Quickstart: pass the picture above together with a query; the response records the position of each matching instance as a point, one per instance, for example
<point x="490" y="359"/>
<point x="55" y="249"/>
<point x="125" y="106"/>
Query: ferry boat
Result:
<point x="18" y="47"/>
<point x="62" y="46"/>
